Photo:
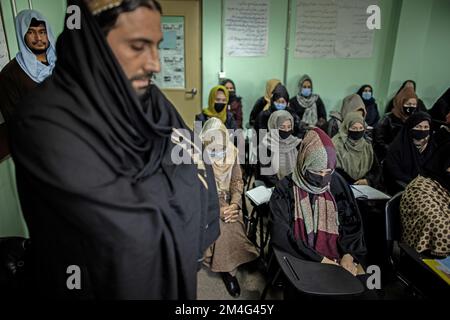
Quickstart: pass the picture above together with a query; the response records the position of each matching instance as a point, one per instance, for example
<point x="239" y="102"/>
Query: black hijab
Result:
<point x="403" y="160"/>
<point x="360" y="92"/>
<point x="97" y="184"/>
<point x="441" y="108"/>
<point x="436" y="167"/>
<point x="279" y="92"/>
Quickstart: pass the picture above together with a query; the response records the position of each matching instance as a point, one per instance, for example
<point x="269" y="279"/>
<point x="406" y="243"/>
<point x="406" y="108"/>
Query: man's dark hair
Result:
<point x="36" y="23"/>
<point x="107" y="19"/>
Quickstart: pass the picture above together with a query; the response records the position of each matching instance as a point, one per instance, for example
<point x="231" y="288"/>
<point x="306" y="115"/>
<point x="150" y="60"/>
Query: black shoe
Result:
<point x="231" y="284"/>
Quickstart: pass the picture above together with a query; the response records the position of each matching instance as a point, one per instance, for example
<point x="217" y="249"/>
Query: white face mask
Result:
<point x="215" y="154"/>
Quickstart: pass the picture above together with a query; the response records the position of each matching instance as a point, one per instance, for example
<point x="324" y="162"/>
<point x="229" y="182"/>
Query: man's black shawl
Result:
<point x="97" y="185"/>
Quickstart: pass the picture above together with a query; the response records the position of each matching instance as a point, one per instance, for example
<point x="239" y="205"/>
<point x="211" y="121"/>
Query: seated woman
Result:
<point x="442" y="135"/>
<point x="217" y="108"/>
<point x="232" y="248"/>
<point x="408" y="153"/>
<point x="407" y="84"/>
<point x="424" y="207"/>
<point x="308" y="105"/>
<point x="351" y="103"/>
<point x="279" y="138"/>
<point x="440" y="110"/>
<point x="356" y="161"/>
<point x="278" y="101"/>
<point x="263" y="103"/>
<point x="312" y="218"/>
<point x="373" y="115"/>
<point x="235" y="102"/>
<point x="405" y="104"/>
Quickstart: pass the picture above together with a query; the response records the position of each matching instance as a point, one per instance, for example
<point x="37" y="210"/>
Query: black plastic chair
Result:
<point x="314" y="278"/>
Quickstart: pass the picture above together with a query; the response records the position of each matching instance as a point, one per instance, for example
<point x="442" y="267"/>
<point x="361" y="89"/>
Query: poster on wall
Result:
<point x="4" y="54"/>
<point x="333" y="29"/>
<point x="246" y="28"/>
<point x="172" y="75"/>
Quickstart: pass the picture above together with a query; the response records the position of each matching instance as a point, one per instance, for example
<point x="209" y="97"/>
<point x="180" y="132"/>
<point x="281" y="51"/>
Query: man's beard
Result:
<point x="141" y="92"/>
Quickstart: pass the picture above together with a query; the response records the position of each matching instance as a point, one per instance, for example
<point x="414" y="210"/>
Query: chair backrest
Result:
<point x="392" y="218"/>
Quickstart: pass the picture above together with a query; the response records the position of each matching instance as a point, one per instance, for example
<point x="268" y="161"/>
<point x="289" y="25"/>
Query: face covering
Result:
<point x="284" y="134"/>
<point x="409" y="110"/>
<point x="317" y="180"/>
<point x="420" y="134"/>
<point x="306" y="92"/>
<point x="219" y="107"/>
<point x="279" y="106"/>
<point x="217" y="154"/>
<point x="367" y="95"/>
<point x="355" y="135"/>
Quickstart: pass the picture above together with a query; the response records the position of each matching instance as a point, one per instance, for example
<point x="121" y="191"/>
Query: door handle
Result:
<point x="193" y="92"/>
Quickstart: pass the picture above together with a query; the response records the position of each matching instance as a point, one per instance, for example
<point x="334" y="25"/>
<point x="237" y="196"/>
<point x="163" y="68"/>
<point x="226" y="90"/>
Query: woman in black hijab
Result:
<point x="441" y="110"/>
<point x="366" y="94"/>
<point x="408" y="153"/>
<point x="97" y="184"/>
<point x="420" y="105"/>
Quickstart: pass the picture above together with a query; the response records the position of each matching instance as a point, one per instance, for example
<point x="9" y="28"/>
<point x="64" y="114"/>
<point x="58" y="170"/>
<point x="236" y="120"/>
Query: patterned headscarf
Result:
<point x="270" y="87"/>
<point x="211" y="111"/>
<point x="317" y="226"/>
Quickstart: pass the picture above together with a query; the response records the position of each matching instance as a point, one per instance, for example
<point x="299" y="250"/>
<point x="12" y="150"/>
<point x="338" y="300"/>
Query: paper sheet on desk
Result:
<point x="439" y="267"/>
<point x="259" y="195"/>
<point x="369" y="193"/>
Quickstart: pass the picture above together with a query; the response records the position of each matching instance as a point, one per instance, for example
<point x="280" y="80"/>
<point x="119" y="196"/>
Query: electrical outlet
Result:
<point x="222" y="75"/>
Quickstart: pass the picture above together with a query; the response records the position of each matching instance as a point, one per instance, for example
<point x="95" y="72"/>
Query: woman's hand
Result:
<point x="348" y="264"/>
<point x="231" y="214"/>
<point x="362" y="182"/>
<point x="325" y="260"/>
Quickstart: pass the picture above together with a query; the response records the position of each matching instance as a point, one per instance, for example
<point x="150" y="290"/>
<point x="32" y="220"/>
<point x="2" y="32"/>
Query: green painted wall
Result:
<point x="422" y="48"/>
<point x="412" y="43"/>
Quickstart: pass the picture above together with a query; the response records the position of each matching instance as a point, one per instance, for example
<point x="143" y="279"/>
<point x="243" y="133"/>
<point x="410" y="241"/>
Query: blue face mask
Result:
<point x="279" y="106"/>
<point x="367" y="95"/>
<point x="306" y="92"/>
<point x="216" y="154"/>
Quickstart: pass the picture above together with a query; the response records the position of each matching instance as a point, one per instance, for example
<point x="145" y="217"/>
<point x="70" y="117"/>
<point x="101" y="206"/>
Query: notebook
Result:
<point x="259" y="195"/>
<point x="369" y="193"/>
<point x="441" y="267"/>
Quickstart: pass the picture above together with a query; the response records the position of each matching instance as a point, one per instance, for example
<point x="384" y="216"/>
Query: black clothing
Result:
<point x="97" y="184"/>
<point x="282" y="207"/>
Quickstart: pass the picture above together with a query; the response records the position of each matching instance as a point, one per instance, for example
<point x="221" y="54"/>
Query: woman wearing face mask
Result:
<point x="356" y="161"/>
<point x="366" y="93"/>
<point x="408" y="153"/>
<point x="264" y="102"/>
<point x="424" y="207"/>
<point x="308" y="105"/>
<point x="405" y="104"/>
<point x="314" y="213"/>
<point x="279" y="101"/>
<point x="278" y="139"/>
<point x="235" y="102"/>
<point x="232" y="248"/>
<point x="217" y="108"/>
<point x="407" y="84"/>
<point x="351" y="103"/>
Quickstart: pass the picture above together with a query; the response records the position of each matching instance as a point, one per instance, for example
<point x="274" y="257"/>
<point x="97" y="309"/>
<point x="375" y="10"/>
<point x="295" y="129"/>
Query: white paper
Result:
<point x="333" y="29"/>
<point x="259" y="195"/>
<point x="369" y="193"/>
<point x="172" y="75"/>
<point x="246" y="28"/>
<point x="4" y="55"/>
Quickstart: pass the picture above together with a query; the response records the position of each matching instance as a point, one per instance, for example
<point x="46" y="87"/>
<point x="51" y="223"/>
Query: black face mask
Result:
<point x="284" y="134"/>
<point x="356" y="135"/>
<point x="409" y="110"/>
<point x="219" y="107"/>
<point x="419" y="134"/>
<point x="316" y="180"/>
